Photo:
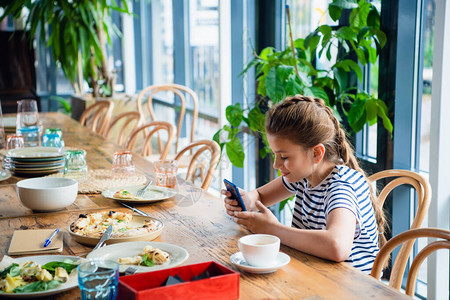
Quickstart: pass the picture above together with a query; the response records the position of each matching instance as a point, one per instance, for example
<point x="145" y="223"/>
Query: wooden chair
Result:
<point x="423" y="190"/>
<point x="410" y="236"/>
<point x="127" y="121"/>
<point x="97" y="116"/>
<point x="147" y="131"/>
<point x="177" y="90"/>
<point x="197" y="165"/>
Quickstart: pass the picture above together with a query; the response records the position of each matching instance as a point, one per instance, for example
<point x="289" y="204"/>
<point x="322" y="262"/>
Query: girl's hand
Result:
<point x="257" y="222"/>
<point x="231" y="205"/>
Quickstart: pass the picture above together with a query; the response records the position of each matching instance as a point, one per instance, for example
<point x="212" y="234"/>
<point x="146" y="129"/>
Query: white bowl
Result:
<point x="47" y="193"/>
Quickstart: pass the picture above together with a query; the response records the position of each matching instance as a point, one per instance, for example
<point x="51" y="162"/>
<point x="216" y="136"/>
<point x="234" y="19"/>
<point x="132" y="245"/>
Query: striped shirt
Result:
<point x="343" y="188"/>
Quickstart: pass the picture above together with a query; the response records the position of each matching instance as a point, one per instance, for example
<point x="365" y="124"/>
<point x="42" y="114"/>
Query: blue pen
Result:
<point x="49" y="240"/>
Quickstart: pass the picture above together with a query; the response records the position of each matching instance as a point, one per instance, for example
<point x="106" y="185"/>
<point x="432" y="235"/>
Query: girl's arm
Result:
<point x="333" y="243"/>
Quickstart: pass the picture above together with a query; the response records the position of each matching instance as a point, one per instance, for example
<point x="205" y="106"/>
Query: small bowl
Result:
<point x="47" y="193"/>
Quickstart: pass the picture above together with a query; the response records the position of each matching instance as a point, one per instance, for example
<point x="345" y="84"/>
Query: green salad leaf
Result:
<point x="37" y="286"/>
<point x="12" y="269"/>
<point x="51" y="266"/>
<point x="148" y="262"/>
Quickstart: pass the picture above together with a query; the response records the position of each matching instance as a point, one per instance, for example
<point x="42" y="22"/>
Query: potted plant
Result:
<point x="78" y="32"/>
<point x="292" y="71"/>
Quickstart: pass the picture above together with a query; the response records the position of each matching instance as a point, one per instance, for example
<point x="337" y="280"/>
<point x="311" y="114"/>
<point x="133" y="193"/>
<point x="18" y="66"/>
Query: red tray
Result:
<point x="223" y="283"/>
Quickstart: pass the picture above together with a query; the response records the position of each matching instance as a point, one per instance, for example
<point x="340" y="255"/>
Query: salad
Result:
<point x="29" y="276"/>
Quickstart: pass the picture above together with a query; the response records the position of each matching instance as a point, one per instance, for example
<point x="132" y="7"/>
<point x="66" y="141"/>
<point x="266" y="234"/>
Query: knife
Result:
<point x="135" y="210"/>
<point x="104" y="237"/>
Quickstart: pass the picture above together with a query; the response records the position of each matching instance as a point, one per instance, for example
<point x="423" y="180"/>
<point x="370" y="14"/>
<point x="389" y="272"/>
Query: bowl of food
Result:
<point x="47" y="193"/>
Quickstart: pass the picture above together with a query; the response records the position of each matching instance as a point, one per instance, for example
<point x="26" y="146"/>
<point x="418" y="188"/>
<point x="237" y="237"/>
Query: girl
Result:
<point x="332" y="195"/>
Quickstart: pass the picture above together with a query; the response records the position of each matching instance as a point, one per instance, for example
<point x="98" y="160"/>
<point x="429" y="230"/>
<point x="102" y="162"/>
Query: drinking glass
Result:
<point x="122" y="165"/>
<point x="166" y="172"/>
<point x="27" y="122"/>
<point x="14" y="141"/>
<point x="98" y="279"/>
<point x="52" y="140"/>
<point x="57" y="131"/>
<point x="75" y="166"/>
<point x="2" y="138"/>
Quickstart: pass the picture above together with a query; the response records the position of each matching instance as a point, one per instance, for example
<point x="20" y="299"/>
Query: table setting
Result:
<point x="180" y="248"/>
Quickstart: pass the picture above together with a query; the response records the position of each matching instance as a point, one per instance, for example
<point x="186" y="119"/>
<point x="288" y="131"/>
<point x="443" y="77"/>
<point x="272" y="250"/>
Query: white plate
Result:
<point x="238" y="260"/>
<point x="4" y="175"/>
<point x="135" y="221"/>
<point x="42" y="260"/>
<point x="177" y="254"/>
<point x="34" y="152"/>
<point x="152" y="194"/>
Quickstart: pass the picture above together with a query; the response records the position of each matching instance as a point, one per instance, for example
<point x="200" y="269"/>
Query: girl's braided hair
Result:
<point x="308" y="122"/>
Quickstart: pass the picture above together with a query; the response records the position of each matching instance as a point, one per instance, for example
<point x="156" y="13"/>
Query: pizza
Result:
<point x="149" y="256"/>
<point x="124" y="194"/>
<point x="95" y="224"/>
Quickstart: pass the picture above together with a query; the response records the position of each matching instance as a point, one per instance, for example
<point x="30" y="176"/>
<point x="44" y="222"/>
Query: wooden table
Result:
<point x="194" y="220"/>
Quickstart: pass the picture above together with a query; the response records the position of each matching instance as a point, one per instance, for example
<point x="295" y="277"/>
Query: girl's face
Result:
<point x="293" y="160"/>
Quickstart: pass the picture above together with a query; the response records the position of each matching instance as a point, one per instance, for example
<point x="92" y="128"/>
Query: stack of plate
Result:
<point x="34" y="161"/>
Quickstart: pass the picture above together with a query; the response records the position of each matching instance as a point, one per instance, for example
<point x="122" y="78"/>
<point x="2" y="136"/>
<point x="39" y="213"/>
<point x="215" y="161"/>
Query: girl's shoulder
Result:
<point x="346" y="175"/>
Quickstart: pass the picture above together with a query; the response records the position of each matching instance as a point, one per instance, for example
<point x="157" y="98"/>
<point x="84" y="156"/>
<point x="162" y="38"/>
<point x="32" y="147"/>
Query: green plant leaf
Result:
<point x="274" y="87"/>
<point x="371" y="111"/>
<point x="356" y="68"/>
<point x="234" y="114"/>
<point x="346" y="33"/>
<point x="235" y="152"/>
<point x="256" y="119"/>
<point x="283" y="72"/>
<point x="266" y="52"/>
<point x="334" y="11"/>
<point x="252" y="63"/>
<point x="264" y="151"/>
<point x="316" y="92"/>
<point x="293" y="86"/>
<point x="341" y="78"/>
<point x="299" y="44"/>
<point x="348" y="4"/>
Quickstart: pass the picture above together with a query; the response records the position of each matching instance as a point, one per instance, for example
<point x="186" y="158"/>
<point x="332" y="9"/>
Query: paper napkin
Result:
<point x="32" y="242"/>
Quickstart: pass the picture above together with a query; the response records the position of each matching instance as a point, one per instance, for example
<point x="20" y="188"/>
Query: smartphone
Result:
<point x="232" y="188"/>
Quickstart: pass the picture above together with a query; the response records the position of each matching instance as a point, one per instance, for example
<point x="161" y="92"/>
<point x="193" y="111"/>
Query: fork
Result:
<point x="130" y="270"/>
<point x="141" y="192"/>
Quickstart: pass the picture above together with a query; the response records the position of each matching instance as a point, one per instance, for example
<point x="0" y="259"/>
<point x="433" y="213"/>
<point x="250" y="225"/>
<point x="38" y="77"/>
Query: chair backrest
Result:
<point x="177" y="90"/>
<point x="97" y="116"/>
<point x="148" y="130"/>
<point x="407" y="237"/>
<point x="197" y="165"/>
<point x="423" y="189"/>
<point x="127" y="122"/>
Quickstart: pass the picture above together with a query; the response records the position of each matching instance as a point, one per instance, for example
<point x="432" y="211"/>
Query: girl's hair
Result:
<point x="308" y="122"/>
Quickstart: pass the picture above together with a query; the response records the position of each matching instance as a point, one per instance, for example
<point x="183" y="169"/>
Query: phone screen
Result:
<point x="232" y="188"/>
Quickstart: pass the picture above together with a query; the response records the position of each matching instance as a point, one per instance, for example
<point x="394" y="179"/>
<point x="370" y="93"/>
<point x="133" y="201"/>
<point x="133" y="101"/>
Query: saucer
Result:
<point x="238" y="260"/>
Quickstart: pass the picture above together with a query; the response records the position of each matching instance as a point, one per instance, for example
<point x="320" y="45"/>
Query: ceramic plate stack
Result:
<point x="33" y="161"/>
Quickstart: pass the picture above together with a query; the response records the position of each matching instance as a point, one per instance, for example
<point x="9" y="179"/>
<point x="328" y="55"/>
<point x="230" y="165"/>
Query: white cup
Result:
<point x="259" y="250"/>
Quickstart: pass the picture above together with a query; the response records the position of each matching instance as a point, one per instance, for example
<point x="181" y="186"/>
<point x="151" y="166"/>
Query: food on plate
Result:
<point x="148" y="257"/>
<point x="28" y="277"/>
<point x="124" y="194"/>
<point x="95" y="224"/>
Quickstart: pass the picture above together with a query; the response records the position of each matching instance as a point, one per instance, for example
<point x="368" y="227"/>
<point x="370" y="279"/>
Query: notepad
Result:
<point x="32" y="242"/>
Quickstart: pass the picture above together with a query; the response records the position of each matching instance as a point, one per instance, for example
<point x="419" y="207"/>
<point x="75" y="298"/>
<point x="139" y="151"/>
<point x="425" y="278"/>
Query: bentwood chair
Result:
<point x="410" y="236"/>
<point x="122" y="126"/>
<point x="184" y="94"/>
<point x="423" y="189"/>
<point x="166" y="132"/>
<point x="206" y="154"/>
<point x="97" y="116"/>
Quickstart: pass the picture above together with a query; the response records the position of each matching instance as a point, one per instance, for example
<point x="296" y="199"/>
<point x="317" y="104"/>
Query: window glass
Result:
<point x="162" y="45"/>
<point x="204" y="54"/>
<point x="425" y="122"/>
